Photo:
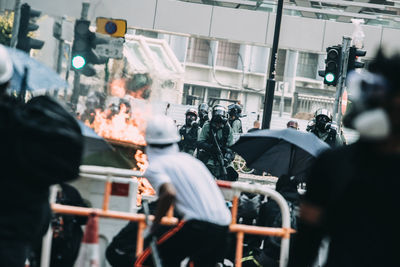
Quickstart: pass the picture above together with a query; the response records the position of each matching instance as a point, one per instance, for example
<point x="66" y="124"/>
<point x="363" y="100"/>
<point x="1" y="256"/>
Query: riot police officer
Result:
<point x="235" y="112"/>
<point x="213" y="142"/>
<point x="203" y="113"/>
<point x="323" y="127"/>
<point x="189" y="132"/>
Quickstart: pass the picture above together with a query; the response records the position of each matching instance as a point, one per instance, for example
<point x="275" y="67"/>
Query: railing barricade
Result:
<point x="110" y="175"/>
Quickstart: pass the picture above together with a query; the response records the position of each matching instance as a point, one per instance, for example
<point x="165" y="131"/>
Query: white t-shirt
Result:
<point x="197" y="195"/>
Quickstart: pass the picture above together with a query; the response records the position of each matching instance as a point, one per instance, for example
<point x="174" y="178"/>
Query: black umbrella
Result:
<point x="279" y="152"/>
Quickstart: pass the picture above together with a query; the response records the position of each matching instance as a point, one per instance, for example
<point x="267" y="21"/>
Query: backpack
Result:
<point x="48" y="142"/>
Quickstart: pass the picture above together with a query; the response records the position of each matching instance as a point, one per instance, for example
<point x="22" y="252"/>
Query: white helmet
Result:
<point x="6" y="66"/>
<point x="161" y="130"/>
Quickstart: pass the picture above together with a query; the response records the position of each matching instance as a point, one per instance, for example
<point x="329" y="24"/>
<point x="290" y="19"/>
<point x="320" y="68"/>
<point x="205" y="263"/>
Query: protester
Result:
<point x="256" y="126"/>
<point x="201" y="235"/>
<point x="41" y="144"/>
<point x="67" y="231"/>
<point x="352" y="192"/>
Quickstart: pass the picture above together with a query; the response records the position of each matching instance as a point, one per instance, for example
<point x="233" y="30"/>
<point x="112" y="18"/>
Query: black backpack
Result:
<point x="48" y="142"/>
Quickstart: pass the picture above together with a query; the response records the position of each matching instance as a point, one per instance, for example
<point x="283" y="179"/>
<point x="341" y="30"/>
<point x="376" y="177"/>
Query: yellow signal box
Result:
<point x="113" y="27"/>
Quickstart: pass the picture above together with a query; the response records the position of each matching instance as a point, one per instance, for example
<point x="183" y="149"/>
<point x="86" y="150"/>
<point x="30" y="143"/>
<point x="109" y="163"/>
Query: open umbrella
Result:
<point x="39" y="76"/>
<point x="99" y="152"/>
<point x="280" y="152"/>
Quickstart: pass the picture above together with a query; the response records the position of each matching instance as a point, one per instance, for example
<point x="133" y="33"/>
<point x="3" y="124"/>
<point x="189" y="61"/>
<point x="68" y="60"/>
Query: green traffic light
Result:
<point x="78" y="62"/>
<point x="329" y="77"/>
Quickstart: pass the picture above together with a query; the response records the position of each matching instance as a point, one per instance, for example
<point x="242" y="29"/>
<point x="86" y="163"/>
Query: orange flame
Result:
<point x="121" y="126"/>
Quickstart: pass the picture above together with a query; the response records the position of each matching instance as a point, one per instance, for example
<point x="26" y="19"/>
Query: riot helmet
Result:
<point x="322" y="118"/>
<point x="191" y="116"/>
<point x="203" y="111"/>
<point x="234" y="110"/>
<point x="219" y="115"/>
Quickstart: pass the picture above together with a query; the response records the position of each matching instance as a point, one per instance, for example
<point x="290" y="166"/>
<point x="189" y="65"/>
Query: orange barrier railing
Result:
<point x="110" y="175"/>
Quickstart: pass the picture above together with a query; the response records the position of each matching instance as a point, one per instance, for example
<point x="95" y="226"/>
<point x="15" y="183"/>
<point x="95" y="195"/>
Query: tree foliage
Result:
<point x="6" y="24"/>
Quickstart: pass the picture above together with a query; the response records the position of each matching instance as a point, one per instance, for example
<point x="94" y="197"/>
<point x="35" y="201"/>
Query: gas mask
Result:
<point x="190" y="119"/>
<point x="321" y="122"/>
<point x="368" y="92"/>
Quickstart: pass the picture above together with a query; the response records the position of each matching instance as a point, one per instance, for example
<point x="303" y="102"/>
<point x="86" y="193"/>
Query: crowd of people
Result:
<point x="351" y="194"/>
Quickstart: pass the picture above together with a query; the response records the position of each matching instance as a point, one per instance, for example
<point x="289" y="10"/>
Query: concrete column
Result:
<point x="291" y="69"/>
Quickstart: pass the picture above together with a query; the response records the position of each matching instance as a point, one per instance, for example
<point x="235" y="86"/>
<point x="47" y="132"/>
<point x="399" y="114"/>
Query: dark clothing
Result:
<point x="253" y="129"/>
<point x="41" y="144"/>
<point x="189" y="136"/>
<point x="359" y="200"/>
<point x="67" y="231"/>
<point x="203" y="242"/>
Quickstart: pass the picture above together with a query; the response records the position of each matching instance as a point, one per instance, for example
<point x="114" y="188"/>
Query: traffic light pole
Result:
<point x="270" y="87"/>
<point x="77" y="77"/>
<point x="337" y="113"/>
<point x="17" y="14"/>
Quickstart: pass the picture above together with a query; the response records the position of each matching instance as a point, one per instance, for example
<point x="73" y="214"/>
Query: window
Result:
<point x="228" y="54"/>
<point x="233" y="95"/>
<point x="307" y="65"/>
<point x="198" y="51"/>
<point x="212" y="95"/>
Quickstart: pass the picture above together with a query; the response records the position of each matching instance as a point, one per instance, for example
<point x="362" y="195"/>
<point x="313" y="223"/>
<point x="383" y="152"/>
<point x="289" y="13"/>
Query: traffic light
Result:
<point x="332" y="65"/>
<point x="25" y="42"/>
<point x="353" y="63"/>
<point x="83" y="55"/>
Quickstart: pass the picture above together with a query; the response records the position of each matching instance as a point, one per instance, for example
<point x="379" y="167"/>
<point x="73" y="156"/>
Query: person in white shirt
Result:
<point x="185" y="182"/>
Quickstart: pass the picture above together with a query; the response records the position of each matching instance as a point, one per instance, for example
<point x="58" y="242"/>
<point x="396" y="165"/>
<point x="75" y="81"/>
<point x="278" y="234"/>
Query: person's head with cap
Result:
<point x="161" y="132"/>
<point x="6" y="69"/>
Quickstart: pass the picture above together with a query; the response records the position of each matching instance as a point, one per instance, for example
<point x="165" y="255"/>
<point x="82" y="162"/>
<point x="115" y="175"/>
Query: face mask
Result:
<point x="373" y="124"/>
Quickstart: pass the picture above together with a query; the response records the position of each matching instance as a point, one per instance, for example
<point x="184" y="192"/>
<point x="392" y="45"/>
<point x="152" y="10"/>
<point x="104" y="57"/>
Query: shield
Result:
<point x="38" y="75"/>
<point x="99" y="152"/>
<point x="280" y="152"/>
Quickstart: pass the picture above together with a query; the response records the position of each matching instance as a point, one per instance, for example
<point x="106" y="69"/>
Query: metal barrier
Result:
<point x="110" y="175"/>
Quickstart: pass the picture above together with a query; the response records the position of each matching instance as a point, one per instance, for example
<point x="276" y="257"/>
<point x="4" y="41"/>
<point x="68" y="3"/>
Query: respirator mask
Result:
<point x="368" y="93"/>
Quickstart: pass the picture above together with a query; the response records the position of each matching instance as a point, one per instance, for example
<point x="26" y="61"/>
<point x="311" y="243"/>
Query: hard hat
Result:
<point x="161" y="130"/>
<point x="6" y="66"/>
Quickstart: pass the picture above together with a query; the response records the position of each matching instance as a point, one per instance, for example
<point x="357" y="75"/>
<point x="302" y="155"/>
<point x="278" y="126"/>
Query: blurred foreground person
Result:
<point x="356" y="204"/>
<point x="41" y="145"/>
<point x="184" y="181"/>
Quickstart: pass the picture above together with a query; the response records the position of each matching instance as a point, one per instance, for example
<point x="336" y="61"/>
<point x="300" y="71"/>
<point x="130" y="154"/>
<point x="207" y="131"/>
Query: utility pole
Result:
<point x="337" y="114"/>
<point x="77" y="78"/>
<point x="17" y="14"/>
<point x="270" y="87"/>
